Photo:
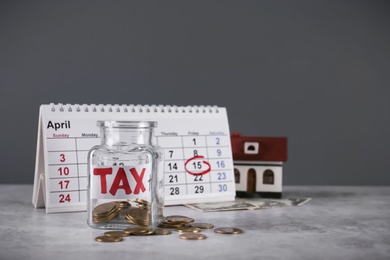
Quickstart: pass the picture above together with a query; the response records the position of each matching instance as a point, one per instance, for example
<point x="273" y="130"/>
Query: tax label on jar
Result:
<point x="120" y="182"/>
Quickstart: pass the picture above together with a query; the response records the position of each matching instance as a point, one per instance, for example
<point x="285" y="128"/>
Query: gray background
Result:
<point x="316" y="72"/>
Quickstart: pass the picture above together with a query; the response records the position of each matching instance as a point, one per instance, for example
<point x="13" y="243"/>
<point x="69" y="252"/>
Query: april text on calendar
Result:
<point x="58" y="125"/>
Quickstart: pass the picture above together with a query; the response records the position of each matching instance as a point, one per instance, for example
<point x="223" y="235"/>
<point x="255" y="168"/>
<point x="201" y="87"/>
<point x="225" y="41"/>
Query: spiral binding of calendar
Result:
<point x="132" y="108"/>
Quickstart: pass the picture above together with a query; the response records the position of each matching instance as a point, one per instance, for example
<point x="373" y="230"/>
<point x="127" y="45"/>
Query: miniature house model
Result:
<point x="258" y="163"/>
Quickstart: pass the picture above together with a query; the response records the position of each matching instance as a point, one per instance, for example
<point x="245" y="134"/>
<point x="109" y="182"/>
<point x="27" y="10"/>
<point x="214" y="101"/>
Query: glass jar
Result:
<point x="125" y="183"/>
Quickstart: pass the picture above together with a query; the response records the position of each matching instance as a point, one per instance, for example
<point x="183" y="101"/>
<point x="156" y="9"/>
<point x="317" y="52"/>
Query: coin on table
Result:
<point x="134" y="230"/>
<point x="162" y="231"/>
<point x="188" y="229"/>
<point x="116" y="233"/>
<point x="109" y="238"/>
<point x="192" y="236"/>
<point x="228" y="230"/>
<point x="170" y="225"/>
<point x="146" y="231"/>
<point x="201" y="225"/>
<point x="139" y="231"/>
<point x="178" y="219"/>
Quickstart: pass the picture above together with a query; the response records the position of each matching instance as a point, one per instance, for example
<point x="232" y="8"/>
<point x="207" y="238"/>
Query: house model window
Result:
<point x="236" y="175"/>
<point x="251" y="148"/>
<point x="268" y="177"/>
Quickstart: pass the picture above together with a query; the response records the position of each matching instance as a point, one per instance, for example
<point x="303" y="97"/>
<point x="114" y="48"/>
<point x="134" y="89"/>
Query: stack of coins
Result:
<point x="175" y="221"/>
<point x="201" y="225"/>
<point x="105" y="212"/>
<point x="138" y="216"/>
<point x="123" y="205"/>
<point x="188" y="229"/>
<point x="143" y="204"/>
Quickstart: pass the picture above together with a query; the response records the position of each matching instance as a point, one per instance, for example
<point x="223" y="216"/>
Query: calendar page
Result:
<point x="198" y="164"/>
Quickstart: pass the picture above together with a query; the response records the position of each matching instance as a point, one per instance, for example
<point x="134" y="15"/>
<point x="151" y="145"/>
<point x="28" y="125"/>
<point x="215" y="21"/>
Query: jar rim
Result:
<point x="126" y="124"/>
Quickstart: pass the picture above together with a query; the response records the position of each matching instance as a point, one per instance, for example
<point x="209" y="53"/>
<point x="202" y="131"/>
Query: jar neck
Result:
<point x="122" y="137"/>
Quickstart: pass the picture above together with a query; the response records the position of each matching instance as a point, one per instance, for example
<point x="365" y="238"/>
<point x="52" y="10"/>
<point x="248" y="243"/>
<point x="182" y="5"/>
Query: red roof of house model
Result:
<point x="246" y="148"/>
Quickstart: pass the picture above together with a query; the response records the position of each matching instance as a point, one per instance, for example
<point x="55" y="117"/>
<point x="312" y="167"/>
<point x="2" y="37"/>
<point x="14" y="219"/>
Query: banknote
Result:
<point x="248" y="204"/>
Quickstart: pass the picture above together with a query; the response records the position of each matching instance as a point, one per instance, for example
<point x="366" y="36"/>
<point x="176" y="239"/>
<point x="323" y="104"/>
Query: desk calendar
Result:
<point x="192" y="137"/>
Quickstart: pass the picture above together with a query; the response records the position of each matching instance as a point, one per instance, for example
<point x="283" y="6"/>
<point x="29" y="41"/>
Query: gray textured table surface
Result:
<point x="338" y="223"/>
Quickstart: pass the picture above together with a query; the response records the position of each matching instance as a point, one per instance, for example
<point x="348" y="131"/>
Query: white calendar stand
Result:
<point x="190" y="136"/>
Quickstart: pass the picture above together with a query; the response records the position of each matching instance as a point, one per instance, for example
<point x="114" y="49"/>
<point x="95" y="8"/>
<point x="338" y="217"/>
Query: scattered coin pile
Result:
<point x="107" y="212"/>
<point x="187" y="228"/>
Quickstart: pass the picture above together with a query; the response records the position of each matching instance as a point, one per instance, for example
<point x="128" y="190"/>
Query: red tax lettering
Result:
<point x="116" y="184"/>
<point x="102" y="172"/>
<point x="138" y="178"/>
<point x="120" y="181"/>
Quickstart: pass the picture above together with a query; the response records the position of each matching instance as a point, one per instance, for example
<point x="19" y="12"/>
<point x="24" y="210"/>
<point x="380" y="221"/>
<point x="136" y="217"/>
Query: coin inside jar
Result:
<point x="105" y="212"/>
<point x="178" y="219"/>
<point x="104" y="208"/>
<point x="138" y="216"/>
<point x="123" y="204"/>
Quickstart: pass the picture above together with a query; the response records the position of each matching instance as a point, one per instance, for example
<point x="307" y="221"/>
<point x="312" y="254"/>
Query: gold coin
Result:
<point x="201" y="225"/>
<point x="192" y="236"/>
<point x="122" y="204"/>
<point x="228" y="230"/>
<point x="144" y="232"/>
<point x="116" y="233"/>
<point x="139" y="231"/>
<point x="178" y="219"/>
<point x="109" y="238"/>
<point x="104" y="209"/>
<point x="134" y="230"/>
<point x="170" y="225"/>
<point x="161" y="231"/>
<point x="141" y="201"/>
<point x="188" y="229"/>
<point x="138" y="216"/>
<point x="104" y="219"/>
<point x="105" y="212"/>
